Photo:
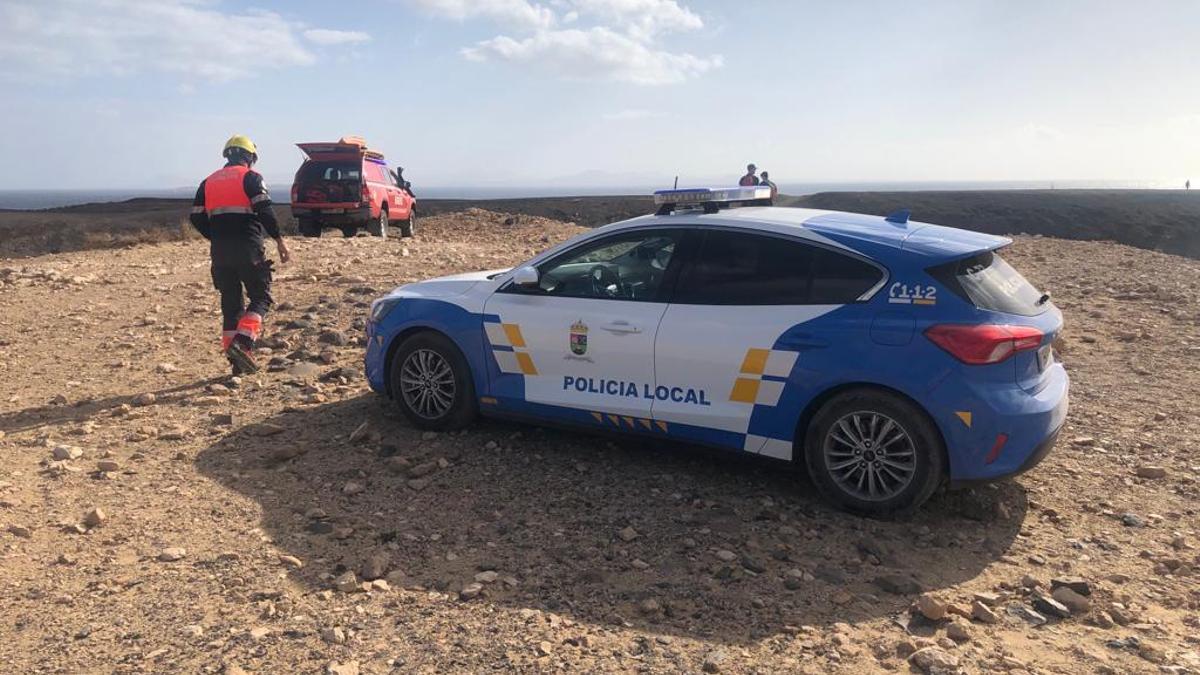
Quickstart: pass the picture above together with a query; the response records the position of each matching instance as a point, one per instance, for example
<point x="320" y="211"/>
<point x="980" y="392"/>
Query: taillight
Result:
<point x="982" y="344"/>
<point x="366" y="193"/>
<point x="295" y="193"/>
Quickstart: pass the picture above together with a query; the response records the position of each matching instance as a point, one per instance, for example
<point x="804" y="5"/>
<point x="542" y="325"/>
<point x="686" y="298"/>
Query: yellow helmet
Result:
<point x="240" y="141"/>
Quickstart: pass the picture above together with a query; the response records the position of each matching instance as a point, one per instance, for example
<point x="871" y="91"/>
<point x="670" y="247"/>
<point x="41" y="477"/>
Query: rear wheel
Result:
<point x="432" y="384"/>
<point x="408" y="225"/>
<point x="309" y="227"/>
<point x="874" y="452"/>
<point x="379" y="226"/>
<point x="349" y="231"/>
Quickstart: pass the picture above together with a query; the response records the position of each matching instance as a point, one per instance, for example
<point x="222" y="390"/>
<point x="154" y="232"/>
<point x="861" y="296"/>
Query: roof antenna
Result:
<point x="899" y="217"/>
<point x="676" y="183"/>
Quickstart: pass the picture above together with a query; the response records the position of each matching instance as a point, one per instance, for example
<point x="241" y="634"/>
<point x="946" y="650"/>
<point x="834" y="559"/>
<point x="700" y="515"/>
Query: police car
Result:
<point x="887" y="356"/>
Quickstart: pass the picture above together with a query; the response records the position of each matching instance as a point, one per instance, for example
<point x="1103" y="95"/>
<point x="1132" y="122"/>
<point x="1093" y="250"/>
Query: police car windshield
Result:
<point x="629" y="267"/>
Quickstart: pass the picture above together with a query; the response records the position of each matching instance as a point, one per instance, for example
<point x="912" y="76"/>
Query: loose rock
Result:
<point x="172" y="554"/>
<point x="1151" y="472"/>
<point x="1078" y="604"/>
<point x="983" y="614"/>
<point x="933" y="660"/>
<point x="94" y="518"/>
<point x="66" y="452"/>
<point x="931" y="607"/>
<point x="1047" y="605"/>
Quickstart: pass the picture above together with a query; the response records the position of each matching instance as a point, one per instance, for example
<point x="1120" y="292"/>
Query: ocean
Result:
<point x="46" y="199"/>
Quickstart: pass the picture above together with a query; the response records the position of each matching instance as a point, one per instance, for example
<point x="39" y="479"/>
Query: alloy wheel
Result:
<point x="427" y="384"/>
<point x="870" y="455"/>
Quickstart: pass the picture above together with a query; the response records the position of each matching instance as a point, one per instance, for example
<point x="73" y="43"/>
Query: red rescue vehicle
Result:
<point x="346" y="185"/>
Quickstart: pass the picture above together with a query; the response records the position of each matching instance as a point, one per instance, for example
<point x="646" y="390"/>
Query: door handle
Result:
<point x="621" y="327"/>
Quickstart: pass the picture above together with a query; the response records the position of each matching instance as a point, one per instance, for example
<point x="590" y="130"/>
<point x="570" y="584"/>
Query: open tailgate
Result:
<point x="345" y="147"/>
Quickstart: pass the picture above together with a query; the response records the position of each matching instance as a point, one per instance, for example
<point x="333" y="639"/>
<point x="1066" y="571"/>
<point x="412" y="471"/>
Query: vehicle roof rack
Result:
<point x="710" y="199"/>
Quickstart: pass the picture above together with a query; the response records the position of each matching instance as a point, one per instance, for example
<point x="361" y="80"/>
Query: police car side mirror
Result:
<point x="526" y="277"/>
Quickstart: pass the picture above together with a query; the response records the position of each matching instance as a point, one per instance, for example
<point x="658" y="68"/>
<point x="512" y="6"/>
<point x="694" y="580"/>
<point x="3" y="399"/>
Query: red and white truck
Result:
<point x="347" y="186"/>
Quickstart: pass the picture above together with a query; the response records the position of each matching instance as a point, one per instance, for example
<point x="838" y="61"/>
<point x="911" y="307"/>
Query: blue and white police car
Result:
<point x="886" y="355"/>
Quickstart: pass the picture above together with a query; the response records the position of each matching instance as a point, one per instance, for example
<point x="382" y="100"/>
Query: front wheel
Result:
<point x="408" y="225"/>
<point x="873" y="452"/>
<point x="432" y="384"/>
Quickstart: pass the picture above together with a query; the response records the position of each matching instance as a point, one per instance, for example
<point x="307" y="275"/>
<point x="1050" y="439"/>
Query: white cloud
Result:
<point x="191" y="38"/>
<point x="513" y="13"/>
<point x="632" y="114"/>
<point x="326" y="37"/>
<point x="644" y="18"/>
<point x="586" y="39"/>
<point x="595" y="52"/>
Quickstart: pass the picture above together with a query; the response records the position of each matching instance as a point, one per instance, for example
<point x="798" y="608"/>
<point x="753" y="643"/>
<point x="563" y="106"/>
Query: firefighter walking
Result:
<point x="233" y="211"/>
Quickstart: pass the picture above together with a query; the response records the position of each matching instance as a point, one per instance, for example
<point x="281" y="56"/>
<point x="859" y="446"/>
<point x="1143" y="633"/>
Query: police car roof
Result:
<point x="855" y="230"/>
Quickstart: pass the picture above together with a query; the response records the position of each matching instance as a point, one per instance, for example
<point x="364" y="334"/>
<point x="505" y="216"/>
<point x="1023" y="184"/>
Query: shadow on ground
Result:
<point x="546" y="510"/>
<point x="54" y="414"/>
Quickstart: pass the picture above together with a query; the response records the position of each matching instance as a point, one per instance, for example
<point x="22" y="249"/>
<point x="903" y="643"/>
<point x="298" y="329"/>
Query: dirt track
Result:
<point x="231" y="514"/>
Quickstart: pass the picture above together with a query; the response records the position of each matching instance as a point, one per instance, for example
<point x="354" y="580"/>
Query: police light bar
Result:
<point x="709" y="198"/>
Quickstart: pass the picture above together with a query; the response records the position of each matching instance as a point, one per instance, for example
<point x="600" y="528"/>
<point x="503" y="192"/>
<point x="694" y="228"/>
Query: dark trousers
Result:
<point x="255" y="278"/>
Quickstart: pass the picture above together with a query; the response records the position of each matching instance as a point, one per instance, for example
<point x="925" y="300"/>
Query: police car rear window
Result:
<point x="735" y="268"/>
<point x="989" y="282"/>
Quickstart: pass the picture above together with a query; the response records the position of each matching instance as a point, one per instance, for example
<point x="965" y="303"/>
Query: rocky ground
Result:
<point x="156" y="516"/>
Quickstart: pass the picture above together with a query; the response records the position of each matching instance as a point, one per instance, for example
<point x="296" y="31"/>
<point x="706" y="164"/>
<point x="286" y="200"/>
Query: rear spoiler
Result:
<point x="943" y="244"/>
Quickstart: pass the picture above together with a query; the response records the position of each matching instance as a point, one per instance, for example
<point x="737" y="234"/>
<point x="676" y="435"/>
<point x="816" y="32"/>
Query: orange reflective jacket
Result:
<point x="225" y="192"/>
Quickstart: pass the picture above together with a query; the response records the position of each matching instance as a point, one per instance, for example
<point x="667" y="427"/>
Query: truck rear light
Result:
<point x="982" y="344"/>
<point x="366" y="193"/>
<point x="295" y="193"/>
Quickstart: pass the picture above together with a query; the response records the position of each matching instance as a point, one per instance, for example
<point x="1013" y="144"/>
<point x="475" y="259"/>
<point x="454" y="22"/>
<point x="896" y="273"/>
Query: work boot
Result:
<point x="237" y="370"/>
<point x="241" y="359"/>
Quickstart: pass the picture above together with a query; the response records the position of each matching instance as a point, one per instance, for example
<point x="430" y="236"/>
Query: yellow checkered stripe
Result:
<point x="509" y="349"/>
<point x="754" y="384"/>
<point x="627" y="422"/>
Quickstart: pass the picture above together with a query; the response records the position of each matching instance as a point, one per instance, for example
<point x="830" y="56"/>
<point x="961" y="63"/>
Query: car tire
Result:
<point x="348" y="231"/>
<point x="408" y="225"/>
<point x="308" y="227"/>
<point x="427" y="363"/>
<point x="379" y="226"/>
<point x="858" y="467"/>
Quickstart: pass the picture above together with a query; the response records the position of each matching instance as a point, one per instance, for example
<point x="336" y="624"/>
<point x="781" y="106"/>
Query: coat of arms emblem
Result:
<point x="579" y="331"/>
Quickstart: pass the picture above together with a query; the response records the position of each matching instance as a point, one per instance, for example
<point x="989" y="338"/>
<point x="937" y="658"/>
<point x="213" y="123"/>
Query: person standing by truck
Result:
<point x="766" y="180"/>
<point x="750" y="179"/>
<point x="233" y="211"/>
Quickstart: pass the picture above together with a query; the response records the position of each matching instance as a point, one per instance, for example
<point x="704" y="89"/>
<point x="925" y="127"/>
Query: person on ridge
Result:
<point x="233" y="211"/>
<point x="766" y="180"/>
<point x="749" y="179"/>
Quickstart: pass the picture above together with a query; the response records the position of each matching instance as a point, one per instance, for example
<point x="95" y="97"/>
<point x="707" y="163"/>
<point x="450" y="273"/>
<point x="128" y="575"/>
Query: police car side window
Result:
<point x="623" y="267"/>
<point x="839" y="279"/>
<point x="737" y="268"/>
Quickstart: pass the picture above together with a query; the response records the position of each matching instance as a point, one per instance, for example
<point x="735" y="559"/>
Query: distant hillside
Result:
<point x="1153" y="219"/>
<point x="1165" y="220"/>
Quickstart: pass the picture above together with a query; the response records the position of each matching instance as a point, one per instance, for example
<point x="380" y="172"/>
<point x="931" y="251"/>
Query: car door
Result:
<point x="397" y="199"/>
<point x="580" y="345"/>
<point x="743" y="323"/>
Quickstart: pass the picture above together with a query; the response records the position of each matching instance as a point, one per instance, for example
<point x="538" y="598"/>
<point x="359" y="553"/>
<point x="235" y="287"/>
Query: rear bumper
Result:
<point x="1033" y="459"/>
<point x="349" y="216"/>
<point x="1011" y="430"/>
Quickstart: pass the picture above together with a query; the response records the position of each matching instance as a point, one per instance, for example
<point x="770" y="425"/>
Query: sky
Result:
<point x="143" y="93"/>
